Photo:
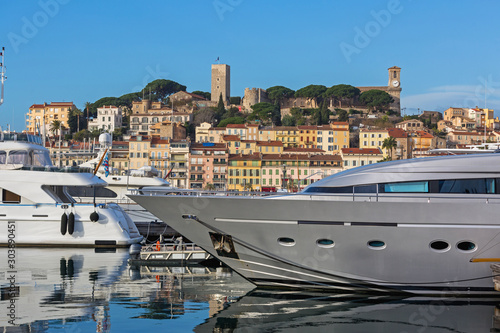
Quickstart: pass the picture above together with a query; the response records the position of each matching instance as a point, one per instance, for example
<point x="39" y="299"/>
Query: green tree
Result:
<point x="118" y="134"/>
<point x="388" y="144"/>
<point x="190" y="130"/>
<point x="312" y="91"/>
<point x="262" y="111"/>
<point x="342" y="115"/>
<point x="205" y="115"/>
<point x="210" y="187"/>
<point x="324" y="113"/>
<point x="376" y="99"/>
<point x="55" y="126"/>
<point x="276" y="114"/>
<point x="221" y="109"/>
<point x="162" y="88"/>
<point x="87" y="106"/>
<point x="233" y="120"/>
<point x="288" y="120"/>
<point x="298" y="115"/>
<point x="235" y="100"/>
<point x="342" y="92"/>
<point x="204" y="94"/>
<point x="279" y="93"/>
<point x="83" y="134"/>
<point x="315" y="117"/>
<point x="74" y="120"/>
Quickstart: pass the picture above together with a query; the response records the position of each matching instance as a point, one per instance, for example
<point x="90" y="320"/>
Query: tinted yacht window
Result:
<point x="408" y="187"/>
<point x="474" y="186"/>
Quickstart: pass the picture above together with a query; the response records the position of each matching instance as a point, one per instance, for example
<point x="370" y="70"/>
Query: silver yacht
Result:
<point x="425" y="226"/>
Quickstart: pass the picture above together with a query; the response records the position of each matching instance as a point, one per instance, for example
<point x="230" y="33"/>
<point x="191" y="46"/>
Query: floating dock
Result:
<point x="169" y="254"/>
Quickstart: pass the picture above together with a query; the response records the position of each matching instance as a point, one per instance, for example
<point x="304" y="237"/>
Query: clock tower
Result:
<point x="394" y="77"/>
<point x="394" y="87"/>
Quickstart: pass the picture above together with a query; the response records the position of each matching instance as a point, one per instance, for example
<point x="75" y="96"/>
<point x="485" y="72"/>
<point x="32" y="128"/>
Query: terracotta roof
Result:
<point x="196" y="96"/>
<point x="302" y="150"/>
<point x="361" y="151"/>
<point x="61" y="104"/>
<point x="397" y="133"/>
<point x="373" y="130"/>
<point x="252" y="125"/>
<point x="250" y="157"/>
<point x="235" y="126"/>
<point x="334" y="157"/>
<point x="308" y="127"/>
<point x="466" y="133"/>
<point x="424" y="134"/>
<point x="287" y="157"/>
<point x="156" y="140"/>
<point x="270" y="143"/>
<point x="37" y="106"/>
<point x="324" y="127"/>
<point x="231" y="138"/>
<point x="285" y="128"/>
<point x="340" y="123"/>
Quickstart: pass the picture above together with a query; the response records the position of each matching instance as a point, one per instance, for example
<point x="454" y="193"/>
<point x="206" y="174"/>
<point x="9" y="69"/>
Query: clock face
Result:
<point x="395" y="83"/>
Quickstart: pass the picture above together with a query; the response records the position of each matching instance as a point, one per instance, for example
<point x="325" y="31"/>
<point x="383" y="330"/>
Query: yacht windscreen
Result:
<point x="18" y="157"/>
<point x="3" y="157"/>
<point x="41" y="158"/>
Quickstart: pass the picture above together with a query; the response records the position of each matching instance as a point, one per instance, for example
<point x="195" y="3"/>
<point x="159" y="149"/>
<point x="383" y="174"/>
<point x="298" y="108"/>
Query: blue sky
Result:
<point x="72" y="50"/>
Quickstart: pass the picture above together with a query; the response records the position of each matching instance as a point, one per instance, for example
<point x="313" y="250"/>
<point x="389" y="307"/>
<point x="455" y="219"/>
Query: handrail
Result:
<point x="371" y="197"/>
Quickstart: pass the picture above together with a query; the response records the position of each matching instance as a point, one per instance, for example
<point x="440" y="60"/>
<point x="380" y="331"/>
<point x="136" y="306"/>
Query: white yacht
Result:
<point x="425" y="226"/>
<point x="118" y="184"/>
<point x="36" y="208"/>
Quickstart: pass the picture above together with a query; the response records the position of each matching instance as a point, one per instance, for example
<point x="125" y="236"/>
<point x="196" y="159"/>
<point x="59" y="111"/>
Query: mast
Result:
<point x="2" y="72"/>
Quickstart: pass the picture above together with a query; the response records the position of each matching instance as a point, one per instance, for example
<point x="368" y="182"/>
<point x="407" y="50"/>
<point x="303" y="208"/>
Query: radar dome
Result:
<point x="105" y="139"/>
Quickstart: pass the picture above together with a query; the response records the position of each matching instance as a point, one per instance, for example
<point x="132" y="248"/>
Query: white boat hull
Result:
<point x="40" y="225"/>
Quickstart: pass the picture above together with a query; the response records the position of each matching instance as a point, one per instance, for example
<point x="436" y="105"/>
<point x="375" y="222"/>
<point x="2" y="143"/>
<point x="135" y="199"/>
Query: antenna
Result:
<point x="2" y="72"/>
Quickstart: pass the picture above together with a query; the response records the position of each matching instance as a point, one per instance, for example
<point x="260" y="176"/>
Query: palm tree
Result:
<point x="55" y="126"/>
<point x="77" y="113"/>
<point x="87" y="106"/>
<point x="388" y="144"/>
<point x="210" y="187"/>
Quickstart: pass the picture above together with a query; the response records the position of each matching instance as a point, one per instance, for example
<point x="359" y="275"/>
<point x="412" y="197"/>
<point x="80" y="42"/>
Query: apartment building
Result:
<point x="40" y="116"/>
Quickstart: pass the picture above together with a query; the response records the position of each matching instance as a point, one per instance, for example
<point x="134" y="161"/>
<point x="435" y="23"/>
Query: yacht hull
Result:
<point x="40" y="225"/>
<point x="365" y="246"/>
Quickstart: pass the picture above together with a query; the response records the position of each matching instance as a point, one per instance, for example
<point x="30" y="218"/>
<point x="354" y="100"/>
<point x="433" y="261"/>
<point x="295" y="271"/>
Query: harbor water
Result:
<point x="88" y="290"/>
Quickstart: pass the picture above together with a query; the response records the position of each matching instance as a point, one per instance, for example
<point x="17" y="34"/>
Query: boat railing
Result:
<point x="198" y="192"/>
<point x="407" y="197"/>
<point x="172" y="247"/>
<point x="358" y="197"/>
<point x="56" y="169"/>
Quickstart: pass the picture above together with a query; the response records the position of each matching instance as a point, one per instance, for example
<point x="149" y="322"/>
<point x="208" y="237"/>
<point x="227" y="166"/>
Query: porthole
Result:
<point x="440" y="246"/>
<point x="466" y="246"/>
<point x="326" y="243"/>
<point x="286" y="241"/>
<point x="376" y="244"/>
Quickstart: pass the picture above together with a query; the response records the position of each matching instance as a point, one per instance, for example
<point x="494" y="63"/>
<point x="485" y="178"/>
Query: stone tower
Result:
<point x="221" y="82"/>
<point x="394" y="87"/>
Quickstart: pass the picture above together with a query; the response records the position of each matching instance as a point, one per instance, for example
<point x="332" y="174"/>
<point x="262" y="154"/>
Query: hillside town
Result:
<point x="268" y="140"/>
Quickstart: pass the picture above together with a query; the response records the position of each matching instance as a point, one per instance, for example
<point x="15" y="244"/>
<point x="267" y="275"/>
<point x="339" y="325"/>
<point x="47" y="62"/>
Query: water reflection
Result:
<point x="291" y="311"/>
<point x="83" y="290"/>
